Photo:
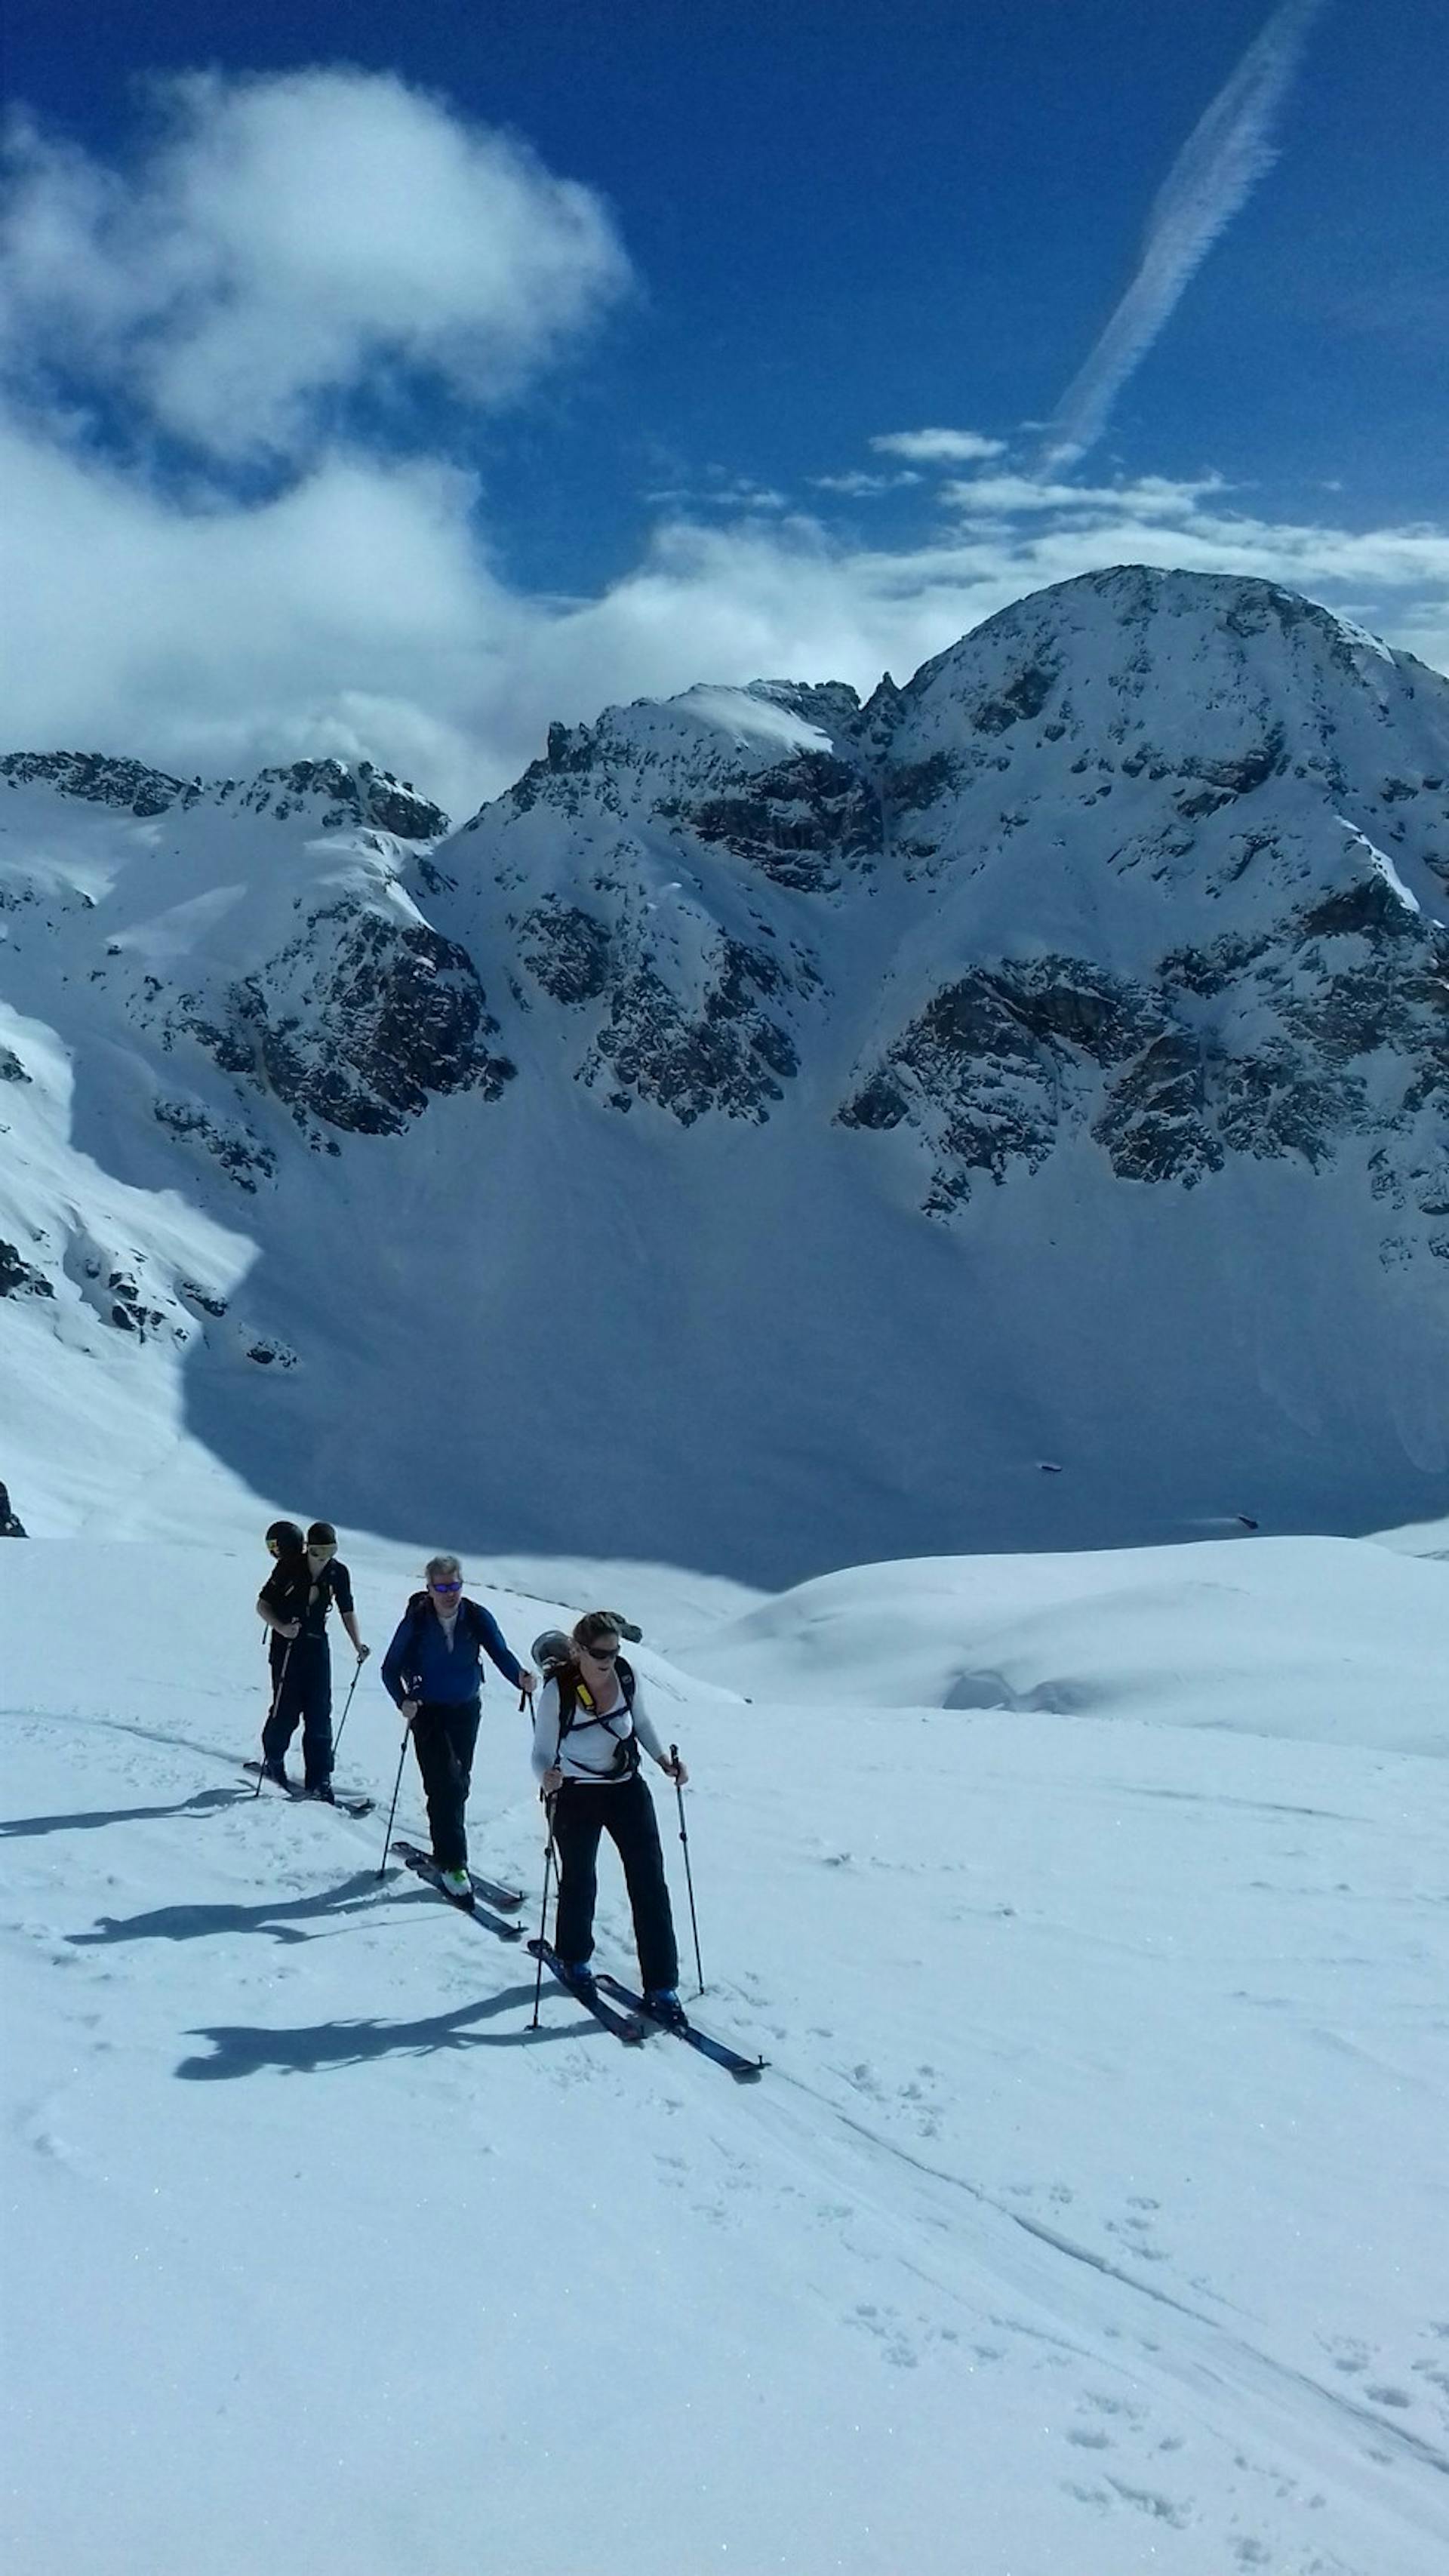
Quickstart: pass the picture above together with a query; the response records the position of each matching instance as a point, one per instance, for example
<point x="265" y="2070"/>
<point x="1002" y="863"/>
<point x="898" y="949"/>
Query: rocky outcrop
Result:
<point x="341" y="798"/>
<point x="19" y="1277"/>
<point x="361" y="1021"/>
<point x="566" y="950"/>
<point x="728" y="1054"/>
<point x="801" y="824"/>
<point x="332" y="793"/>
<point x="126" y="784"/>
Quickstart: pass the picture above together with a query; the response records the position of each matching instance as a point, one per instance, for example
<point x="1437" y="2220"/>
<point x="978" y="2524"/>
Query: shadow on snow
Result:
<point x="278" y="1916"/>
<point x="203" y="1803"/>
<point x="311" y="2050"/>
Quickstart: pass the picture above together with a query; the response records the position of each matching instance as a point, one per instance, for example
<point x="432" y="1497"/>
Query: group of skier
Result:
<point x="590" y="1727"/>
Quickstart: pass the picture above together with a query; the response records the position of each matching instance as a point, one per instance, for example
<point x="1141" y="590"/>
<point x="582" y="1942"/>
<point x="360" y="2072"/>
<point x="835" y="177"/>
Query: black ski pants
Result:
<point x="444" y="1734"/>
<point x="624" y="1811"/>
<point x="303" y="1689"/>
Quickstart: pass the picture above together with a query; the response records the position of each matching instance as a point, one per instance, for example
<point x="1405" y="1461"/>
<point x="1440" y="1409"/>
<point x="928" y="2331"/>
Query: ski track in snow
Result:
<point x="916" y="2298"/>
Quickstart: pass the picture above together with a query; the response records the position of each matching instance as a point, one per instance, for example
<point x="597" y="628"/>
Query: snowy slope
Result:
<point x="1087" y="2219"/>
<point x="1042" y="1068"/>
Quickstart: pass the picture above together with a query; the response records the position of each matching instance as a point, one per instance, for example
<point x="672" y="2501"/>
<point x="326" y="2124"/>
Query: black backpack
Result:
<point x="625" y="1758"/>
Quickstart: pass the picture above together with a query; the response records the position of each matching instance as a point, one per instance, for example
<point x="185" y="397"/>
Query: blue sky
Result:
<point x="392" y="380"/>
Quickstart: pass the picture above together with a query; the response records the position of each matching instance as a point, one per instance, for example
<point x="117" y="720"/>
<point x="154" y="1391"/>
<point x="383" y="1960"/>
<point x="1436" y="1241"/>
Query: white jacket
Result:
<point x="587" y="1752"/>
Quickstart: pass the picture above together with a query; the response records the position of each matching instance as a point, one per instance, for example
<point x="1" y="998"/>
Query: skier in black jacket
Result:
<point x="294" y="1602"/>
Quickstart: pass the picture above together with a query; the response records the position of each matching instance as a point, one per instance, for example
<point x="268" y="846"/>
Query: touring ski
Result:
<point x="507" y="1899"/>
<point x="308" y="1798"/>
<point x="623" y="2025"/>
<point x="745" y="2070"/>
<point x="421" y="1863"/>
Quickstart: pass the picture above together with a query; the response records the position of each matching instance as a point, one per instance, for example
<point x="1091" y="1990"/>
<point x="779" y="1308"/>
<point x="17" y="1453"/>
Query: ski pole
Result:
<point x="392" y="1811"/>
<point x="347" y="1703"/>
<point x="271" y="1713"/>
<point x="543" y="1918"/>
<point x="688" y="1872"/>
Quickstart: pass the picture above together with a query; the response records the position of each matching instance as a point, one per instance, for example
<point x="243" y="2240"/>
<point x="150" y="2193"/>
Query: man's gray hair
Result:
<point x="442" y="1565"/>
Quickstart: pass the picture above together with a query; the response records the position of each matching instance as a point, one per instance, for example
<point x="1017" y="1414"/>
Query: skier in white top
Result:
<point x="590" y="1727"/>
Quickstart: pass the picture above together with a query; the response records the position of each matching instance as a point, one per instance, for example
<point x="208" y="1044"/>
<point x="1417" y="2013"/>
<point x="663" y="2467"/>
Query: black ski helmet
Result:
<point x="552" y="1647"/>
<point x="285" y="1539"/>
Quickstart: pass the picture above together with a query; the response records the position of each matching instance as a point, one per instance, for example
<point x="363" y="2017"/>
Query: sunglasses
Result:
<point x="445" y="1587"/>
<point x="601" y="1654"/>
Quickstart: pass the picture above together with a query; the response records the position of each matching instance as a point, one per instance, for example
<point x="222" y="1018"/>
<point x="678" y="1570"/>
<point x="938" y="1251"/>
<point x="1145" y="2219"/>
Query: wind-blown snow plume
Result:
<point x="1227" y="152"/>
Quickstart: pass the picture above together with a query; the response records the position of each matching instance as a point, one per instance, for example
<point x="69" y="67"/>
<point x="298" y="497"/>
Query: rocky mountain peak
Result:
<point x="334" y="796"/>
<point x="329" y="795"/>
<point x="93" y="777"/>
<point x="1078" y="1003"/>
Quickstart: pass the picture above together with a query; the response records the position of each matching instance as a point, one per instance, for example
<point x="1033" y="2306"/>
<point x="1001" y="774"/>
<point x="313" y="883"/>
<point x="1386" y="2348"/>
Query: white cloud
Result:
<point x="939" y="446"/>
<point x="359" y="612"/>
<point x="285" y="240"/>
<point x="1008" y="495"/>
<point x="356" y="608"/>
<point x="1227" y="153"/>
<point x="862" y="487"/>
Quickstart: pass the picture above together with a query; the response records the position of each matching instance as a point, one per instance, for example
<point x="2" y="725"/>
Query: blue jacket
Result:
<point x="421" y="1665"/>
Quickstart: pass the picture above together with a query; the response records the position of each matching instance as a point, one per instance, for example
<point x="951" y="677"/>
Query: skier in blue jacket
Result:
<point x="433" y="1671"/>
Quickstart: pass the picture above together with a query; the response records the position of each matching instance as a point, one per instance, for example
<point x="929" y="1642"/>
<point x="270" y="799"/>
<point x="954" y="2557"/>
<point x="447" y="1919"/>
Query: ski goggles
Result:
<point x="435" y="1586"/>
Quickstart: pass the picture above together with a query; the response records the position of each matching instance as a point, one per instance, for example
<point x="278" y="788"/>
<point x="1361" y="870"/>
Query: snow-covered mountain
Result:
<point x="778" y="1132"/>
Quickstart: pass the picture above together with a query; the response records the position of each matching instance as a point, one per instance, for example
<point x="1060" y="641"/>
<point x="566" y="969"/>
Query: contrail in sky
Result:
<point x="1227" y="152"/>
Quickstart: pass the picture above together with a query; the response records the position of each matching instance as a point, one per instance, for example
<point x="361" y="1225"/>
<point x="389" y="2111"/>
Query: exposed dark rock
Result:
<point x="396" y="1014"/>
<point x="89" y="774"/>
<point x="1153" y="1125"/>
<point x="1271" y="1105"/>
<point x="798" y="823"/>
<point x="351" y="797"/>
<point x="1250" y="769"/>
<point x="565" y="950"/>
<point x="732" y="1057"/>
<point x="268" y="1352"/>
<point x="241" y="1157"/>
<point x="20" y="1278"/>
<point x="129" y="1310"/>
<point x="1023" y="697"/>
<point x="11" y="1068"/>
<point x="10" y="1526"/>
<point x="881" y="1103"/>
<point x="1371" y="908"/>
